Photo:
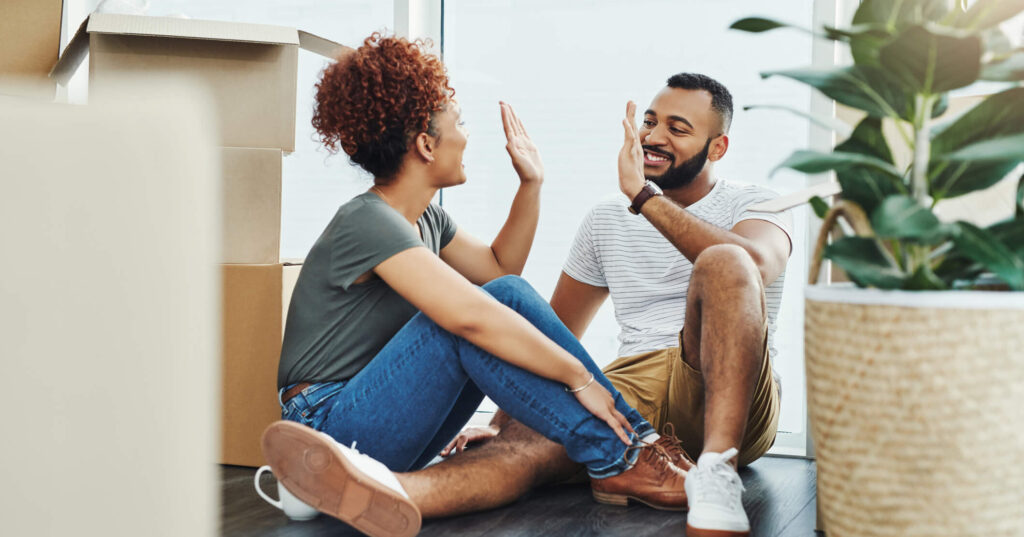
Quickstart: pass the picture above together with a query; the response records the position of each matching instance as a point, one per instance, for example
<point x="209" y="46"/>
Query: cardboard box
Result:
<point x="252" y="205"/>
<point x="251" y="69"/>
<point x="255" y="305"/>
<point x="29" y="46"/>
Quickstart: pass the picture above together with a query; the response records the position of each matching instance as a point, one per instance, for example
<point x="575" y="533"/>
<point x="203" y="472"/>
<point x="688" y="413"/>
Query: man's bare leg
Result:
<point x="723" y="338"/>
<point x="493" y="474"/>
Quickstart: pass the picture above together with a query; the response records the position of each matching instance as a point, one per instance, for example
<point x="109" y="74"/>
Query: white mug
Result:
<point x="293" y="507"/>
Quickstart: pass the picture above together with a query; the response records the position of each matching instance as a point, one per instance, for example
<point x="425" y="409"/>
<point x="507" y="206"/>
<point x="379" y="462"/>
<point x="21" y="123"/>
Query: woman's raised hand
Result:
<point x="525" y="157"/>
<point x="600" y="403"/>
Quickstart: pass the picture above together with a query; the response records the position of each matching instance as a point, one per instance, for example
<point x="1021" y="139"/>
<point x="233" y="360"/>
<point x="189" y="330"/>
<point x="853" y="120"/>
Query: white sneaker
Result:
<point x="340" y="481"/>
<point x="715" y="493"/>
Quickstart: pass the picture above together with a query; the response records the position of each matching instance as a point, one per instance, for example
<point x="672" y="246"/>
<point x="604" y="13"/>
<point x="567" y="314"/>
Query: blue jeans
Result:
<point x="424" y="385"/>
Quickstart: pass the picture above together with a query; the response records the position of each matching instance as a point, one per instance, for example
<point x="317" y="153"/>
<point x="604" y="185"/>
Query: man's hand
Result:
<point x="631" y="156"/>
<point x="525" y="156"/>
<point x="470" y="435"/>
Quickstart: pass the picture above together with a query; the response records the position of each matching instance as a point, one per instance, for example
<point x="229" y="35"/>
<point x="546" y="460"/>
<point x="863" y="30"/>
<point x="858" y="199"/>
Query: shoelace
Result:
<point x="656" y="454"/>
<point x="672" y="445"/>
<point x="361" y="456"/>
<point x="716" y="480"/>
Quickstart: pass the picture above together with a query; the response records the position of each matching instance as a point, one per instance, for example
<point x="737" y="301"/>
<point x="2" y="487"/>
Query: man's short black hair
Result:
<point x="721" y="99"/>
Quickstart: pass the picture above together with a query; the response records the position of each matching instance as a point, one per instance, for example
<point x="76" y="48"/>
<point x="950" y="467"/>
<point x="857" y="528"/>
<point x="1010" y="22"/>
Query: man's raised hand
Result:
<point x="631" y="156"/>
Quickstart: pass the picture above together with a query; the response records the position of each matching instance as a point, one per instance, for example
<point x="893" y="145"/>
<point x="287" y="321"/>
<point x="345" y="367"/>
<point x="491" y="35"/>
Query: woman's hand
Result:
<point x="631" y="156"/>
<point x="600" y="403"/>
<point x="525" y="157"/>
<point x="468" y="436"/>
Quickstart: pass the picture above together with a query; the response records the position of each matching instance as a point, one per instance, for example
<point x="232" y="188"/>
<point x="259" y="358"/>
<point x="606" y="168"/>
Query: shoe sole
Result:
<point x="701" y="532"/>
<point x="623" y="500"/>
<point x="317" y="473"/>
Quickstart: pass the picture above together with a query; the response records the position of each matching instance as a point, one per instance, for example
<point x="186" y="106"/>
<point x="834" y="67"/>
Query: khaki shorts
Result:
<point x="665" y="389"/>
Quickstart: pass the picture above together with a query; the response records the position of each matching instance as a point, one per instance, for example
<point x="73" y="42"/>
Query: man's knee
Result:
<point x="725" y="265"/>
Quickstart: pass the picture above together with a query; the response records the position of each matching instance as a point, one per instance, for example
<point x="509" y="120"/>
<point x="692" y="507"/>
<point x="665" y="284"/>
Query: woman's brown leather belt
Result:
<point x="293" y="391"/>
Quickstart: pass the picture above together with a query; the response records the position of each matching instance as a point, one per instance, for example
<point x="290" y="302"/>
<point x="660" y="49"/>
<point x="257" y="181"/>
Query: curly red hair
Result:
<point x="371" y="103"/>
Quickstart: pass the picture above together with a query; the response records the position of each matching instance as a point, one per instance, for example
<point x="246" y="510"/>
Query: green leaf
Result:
<point x="865" y="263"/>
<point x="924" y="279"/>
<point x="893" y="15"/>
<point x="829" y="123"/>
<point x="931" y="62"/>
<point x="873" y="11"/>
<point x="815" y="162"/>
<point x="859" y="31"/>
<point x="941" y="105"/>
<point x="983" y="247"/>
<point x="1008" y="149"/>
<point x="820" y="207"/>
<point x="1009" y="69"/>
<point x="896" y="12"/>
<point x="864" y="185"/>
<point x="957" y="267"/>
<point x="987" y="13"/>
<point x="868" y="139"/>
<point x="901" y="217"/>
<point x="1010" y="233"/>
<point x="757" y="25"/>
<point x="1020" y="198"/>
<point x="865" y="88"/>
<point x="998" y="115"/>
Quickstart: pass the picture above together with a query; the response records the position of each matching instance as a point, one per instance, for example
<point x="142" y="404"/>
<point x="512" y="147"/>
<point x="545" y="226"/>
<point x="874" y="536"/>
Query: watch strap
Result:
<point x="645" y="194"/>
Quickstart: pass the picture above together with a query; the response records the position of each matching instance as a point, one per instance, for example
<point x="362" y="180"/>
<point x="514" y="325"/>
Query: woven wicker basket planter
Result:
<point x="916" y="402"/>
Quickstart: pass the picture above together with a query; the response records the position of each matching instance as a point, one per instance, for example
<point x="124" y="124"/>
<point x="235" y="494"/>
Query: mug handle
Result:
<point x="256" y="482"/>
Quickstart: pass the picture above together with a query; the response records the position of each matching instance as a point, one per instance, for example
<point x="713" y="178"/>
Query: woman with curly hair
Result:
<point x="401" y="322"/>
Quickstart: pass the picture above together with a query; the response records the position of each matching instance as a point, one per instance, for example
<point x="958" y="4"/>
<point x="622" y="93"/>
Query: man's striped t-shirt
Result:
<point x="647" y="277"/>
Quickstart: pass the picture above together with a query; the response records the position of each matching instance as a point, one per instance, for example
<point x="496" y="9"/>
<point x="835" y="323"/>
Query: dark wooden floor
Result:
<point x="779" y="500"/>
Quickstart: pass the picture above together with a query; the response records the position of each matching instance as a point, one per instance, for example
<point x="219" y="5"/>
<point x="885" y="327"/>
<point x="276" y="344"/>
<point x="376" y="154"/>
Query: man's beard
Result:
<point x="683" y="174"/>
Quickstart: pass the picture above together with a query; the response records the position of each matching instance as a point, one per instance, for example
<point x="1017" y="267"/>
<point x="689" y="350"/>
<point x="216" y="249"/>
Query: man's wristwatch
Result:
<point x="647" y="192"/>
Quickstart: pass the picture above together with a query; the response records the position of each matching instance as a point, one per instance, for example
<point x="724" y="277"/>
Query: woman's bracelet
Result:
<point x="581" y="388"/>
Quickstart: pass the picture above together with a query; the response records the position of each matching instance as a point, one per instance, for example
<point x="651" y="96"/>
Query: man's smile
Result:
<point x="654" y="157"/>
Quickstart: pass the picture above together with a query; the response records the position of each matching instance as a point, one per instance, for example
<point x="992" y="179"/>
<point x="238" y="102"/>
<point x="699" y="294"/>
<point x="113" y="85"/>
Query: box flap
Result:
<point x="324" y="47"/>
<point x="108" y="23"/>
<point x="794" y="199"/>
<point x="30" y="37"/>
<point x="73" y="55"/>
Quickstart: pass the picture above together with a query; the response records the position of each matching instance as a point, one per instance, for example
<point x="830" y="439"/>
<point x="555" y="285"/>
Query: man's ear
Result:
<point x="425" y="145"/>
<point x="718" y="148"/>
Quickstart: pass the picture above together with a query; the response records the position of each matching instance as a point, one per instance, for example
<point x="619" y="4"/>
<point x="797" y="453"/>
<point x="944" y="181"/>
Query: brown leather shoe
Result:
<point x="653" y="480"/>
<point x="339" y="481"/>
<point x="674" y="448"/>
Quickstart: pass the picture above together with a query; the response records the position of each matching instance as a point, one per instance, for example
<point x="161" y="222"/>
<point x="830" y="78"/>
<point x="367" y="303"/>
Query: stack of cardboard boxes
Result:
<point x="250" y="71"/>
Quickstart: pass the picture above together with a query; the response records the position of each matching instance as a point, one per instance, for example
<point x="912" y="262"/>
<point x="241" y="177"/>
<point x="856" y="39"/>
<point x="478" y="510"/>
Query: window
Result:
<point x="568" y="69"/>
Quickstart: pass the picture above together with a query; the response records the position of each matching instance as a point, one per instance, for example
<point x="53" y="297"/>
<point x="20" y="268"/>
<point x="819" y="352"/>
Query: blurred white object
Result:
<point x="109" y="319"/>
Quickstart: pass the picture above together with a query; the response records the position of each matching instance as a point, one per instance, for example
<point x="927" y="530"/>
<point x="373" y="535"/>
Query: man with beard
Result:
<point x="696" y="280"/>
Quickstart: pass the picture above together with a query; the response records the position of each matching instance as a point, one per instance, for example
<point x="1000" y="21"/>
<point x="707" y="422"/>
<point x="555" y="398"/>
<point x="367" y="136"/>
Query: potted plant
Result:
<point x="916" y="372"/>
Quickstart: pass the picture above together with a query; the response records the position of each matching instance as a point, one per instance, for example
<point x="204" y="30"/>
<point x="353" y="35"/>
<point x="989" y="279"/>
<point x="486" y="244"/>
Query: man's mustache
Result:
<point x="658" y="152"/>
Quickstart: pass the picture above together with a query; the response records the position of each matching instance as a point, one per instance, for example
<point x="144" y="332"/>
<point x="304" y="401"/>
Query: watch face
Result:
<point x="655" y="189"/>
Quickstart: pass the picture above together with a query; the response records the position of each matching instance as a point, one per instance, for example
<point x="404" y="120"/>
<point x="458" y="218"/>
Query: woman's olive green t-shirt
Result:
<point x="335" y="327"/>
